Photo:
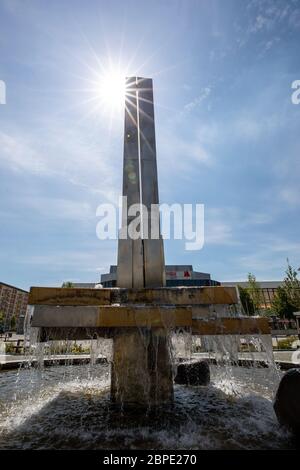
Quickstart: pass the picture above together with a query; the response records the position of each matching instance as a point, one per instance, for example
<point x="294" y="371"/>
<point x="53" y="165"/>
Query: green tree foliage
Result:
<point x="68" y="284"/>
<point x="287" y="297"/>
<point x="292" y="285"/>
<point x="2" y="321"/>
<point x="246" y="301"/>
<point x="13" y="323"/>
<point x="281" y="305"/>
<point x="255" y="292"/>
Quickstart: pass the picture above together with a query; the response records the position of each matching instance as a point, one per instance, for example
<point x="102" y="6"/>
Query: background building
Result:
<point x="184" y="275"/>
<point x="268" y="290"/>
<point x="13" y="304"/>
<point x="176" y="275"/>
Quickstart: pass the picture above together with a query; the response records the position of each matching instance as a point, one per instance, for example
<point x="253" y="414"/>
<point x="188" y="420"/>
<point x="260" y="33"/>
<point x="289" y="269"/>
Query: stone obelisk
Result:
<point x="141" y="371"/>
<point x="140" y="261"/>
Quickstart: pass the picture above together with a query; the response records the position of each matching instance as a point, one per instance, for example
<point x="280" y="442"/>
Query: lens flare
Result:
<point x="111" y="90"/>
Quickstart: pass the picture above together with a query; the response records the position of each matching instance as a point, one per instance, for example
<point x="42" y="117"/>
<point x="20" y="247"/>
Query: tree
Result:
<point x="13" y="323"/>
<point x="68" y="284"/>
<point x="281" y="305"/>
<point x="246" y="301"/>
<point x="292" y="285"/>
<point x="255" y="293"/>
<point x="287" y="298"/>
<point x="2" y="321"/>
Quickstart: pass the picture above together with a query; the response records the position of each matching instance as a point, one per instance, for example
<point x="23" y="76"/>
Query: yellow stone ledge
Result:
<point x="165" y="295"/>
<point x="146" y="316"/>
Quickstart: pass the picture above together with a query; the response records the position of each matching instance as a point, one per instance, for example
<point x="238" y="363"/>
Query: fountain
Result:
<point x="162" y="347"/>
<point x="141" y="313"/>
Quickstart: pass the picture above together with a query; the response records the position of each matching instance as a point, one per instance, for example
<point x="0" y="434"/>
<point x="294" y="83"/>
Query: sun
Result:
<point x="106" y="91"/>
<point x="111" y="90"/>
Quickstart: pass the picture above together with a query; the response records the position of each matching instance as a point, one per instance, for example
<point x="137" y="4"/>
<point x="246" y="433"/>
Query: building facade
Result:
<point x="184" y="275"/>
<point x="268" y="290"/>
<point x="13" y="305"/>
<point x="176" y="275"/>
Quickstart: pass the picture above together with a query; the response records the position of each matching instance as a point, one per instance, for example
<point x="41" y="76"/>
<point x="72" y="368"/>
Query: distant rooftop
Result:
<point x="12" y="287"/>
<point x="262" y="284"/>
<point x="84" y="285"/>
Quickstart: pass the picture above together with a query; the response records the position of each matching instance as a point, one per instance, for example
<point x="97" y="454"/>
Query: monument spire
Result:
<point x="140" y="261"/>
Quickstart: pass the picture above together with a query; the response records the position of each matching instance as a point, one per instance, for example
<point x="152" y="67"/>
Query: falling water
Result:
<point x="68" y="406"/>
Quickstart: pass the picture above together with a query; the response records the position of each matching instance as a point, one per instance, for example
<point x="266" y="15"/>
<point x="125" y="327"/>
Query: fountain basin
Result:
<point x="140" y="322"/>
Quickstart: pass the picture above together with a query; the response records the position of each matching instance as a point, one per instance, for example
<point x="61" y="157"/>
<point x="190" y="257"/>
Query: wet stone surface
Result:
<point x="287" y="401"/>
<point x="196" y="373"/>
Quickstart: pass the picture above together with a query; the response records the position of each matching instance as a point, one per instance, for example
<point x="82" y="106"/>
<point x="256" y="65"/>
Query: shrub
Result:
<point x="287" y="342"/>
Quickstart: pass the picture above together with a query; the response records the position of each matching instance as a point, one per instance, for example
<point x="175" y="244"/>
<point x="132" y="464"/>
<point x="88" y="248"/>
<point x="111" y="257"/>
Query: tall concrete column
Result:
<point x="141" y="370"/>
<point x="141" y="261"/>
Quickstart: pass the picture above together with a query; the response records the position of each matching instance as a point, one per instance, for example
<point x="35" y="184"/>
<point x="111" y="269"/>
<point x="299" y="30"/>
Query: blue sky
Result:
<point x="227" y="131"/>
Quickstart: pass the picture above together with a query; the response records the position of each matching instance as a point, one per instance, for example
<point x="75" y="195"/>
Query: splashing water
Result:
<point x="68" y="407"/>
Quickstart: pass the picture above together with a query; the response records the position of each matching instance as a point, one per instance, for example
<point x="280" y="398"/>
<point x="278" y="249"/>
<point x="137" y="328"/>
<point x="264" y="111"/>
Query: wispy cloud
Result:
<point x="197" y="101"/>
<point x="17" y="154"/>
<point x="219" y="233"/>
<point x="250" y="127"/>
<point x="227" y="225"/>
<point x="259" y="263"/>
<point x="69" y="155"/>
<point x="187" y="152"/>
<point x="271" y="15"/>
<point x="59" y="208"/>
<point x="290" y="196"/>
<point x="269" y="45"/>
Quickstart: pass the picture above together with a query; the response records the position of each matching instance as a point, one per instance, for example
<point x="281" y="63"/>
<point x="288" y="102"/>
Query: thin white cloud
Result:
<point x="69" y="154"/>
<point x="257" y="218"/>
<point x="253" y="125"/>
<point x="290" y="195"/>
<point x="270" y="256"/>
<point x="227" y="225"/>
<point x="81" y="261"/>
<point x="219" y="226"/>
<point x="271" y="15"/>
<point x="205" y="92"/>
<point x="184" y="152"/>
<point x="281" y="245"/>
<point x="219" y="233"/>
<point x="59" y="208"/>
<point x="269" y="44"/>
<point x="17" y="154"/>
<point x="259" y="262"/>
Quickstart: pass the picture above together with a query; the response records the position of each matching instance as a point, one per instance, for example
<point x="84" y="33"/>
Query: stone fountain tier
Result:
<point x="194" y="308"/>
<point x="139" y="321"/>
